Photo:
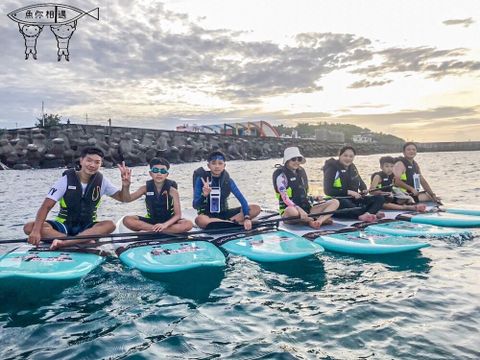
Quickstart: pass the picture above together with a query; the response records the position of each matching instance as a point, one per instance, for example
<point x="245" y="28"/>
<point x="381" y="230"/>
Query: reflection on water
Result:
<point x="331" y="306"/>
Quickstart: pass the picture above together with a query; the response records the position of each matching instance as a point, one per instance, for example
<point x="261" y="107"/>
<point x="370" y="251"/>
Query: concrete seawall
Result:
<point x="60" y="146"/>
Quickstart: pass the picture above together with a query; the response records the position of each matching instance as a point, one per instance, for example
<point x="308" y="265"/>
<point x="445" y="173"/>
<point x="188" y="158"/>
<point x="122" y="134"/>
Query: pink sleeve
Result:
<point x="282" y="184"/>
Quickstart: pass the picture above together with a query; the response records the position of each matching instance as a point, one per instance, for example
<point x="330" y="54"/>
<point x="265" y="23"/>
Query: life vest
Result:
<point x="412" y="172"/>
<point x="297" y="188"/>
<point x="159" y="204"/>
<point x="387" y="181"/>
<point x="345" y="178"/>
<point x="223" y="182"/>
<point x="77" y="208"/>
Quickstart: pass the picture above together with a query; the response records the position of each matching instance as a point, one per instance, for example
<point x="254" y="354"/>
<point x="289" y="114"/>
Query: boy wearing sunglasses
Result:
<point x="211" y="191"/>
<point x="291" y="187"/>
<point x="162" y="202"/>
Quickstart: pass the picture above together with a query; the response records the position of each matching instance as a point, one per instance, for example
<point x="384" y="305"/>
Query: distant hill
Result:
<point x="308" y="130"/>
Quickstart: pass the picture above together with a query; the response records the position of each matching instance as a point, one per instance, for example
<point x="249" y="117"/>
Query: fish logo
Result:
<point x="62" y="20"/>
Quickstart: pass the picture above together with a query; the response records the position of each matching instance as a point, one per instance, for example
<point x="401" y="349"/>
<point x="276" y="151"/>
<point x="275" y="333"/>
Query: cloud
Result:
<point x="465" y="22"/>
<point x="366" y="83"/>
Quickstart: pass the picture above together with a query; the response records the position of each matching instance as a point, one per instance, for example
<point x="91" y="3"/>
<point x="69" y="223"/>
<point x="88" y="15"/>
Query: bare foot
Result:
<point x="380" y="215"/>
<point x="56" y="244"/>
<point x="367" y="217"/>
<point x="421" y="207"/>
<point x="315" y="224"/>
<point x="328" y="221"/>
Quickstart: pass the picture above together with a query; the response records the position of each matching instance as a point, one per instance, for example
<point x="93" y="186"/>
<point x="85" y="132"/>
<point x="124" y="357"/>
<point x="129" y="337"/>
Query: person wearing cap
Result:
<point x="162" y="202"/>
<point x="211" y="191"/>
<point x="342" y="180"/>
<point x="291" y="187"/>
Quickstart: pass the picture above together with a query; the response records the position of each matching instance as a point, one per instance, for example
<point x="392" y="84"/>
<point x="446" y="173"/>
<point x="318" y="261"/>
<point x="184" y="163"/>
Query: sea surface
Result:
<point x="421" y="305"/>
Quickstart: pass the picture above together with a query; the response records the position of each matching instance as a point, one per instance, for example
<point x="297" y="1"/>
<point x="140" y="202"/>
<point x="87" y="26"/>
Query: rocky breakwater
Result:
<point x="61" y="146"/>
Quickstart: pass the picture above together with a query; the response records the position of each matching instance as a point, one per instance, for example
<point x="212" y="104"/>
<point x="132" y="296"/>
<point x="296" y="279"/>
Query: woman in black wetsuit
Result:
<point x="341" y="180"/>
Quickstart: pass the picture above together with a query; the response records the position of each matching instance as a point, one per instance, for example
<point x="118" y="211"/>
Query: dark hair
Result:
<point x="159" y="161"/>
<point x="214" y="154"/>
<point x="408" y="143"/>
<point x="387" y="160"/>
<point x="345" y="148"/>
<point x="92" y="151"/>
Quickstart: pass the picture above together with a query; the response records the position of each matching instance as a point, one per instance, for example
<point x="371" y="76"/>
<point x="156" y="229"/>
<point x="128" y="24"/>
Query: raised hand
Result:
<point x="206" y="187"/>
<point x="125" y="173"/>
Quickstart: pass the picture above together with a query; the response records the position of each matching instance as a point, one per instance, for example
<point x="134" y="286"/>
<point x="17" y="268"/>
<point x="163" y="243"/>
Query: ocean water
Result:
<point x="421" y="305"/>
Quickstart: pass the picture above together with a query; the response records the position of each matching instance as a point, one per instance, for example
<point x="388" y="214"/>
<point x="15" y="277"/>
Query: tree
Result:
<point x="48" y="121"/>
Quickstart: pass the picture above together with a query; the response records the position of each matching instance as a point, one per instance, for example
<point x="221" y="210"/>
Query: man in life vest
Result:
<point x="162" y="202"/>
<point x="382" y="183"/>
<point x="210" y="195"/>
<point x="409" y="178"/>
<point x="79" y="194"/>
<point x="290" y="183"/>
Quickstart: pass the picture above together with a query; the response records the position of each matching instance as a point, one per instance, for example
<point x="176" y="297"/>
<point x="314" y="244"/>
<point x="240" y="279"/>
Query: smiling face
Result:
<point x="216" y="167"/>
<point x="387" y="168"/>
<point x="410" y="152"/>
<point x="159" y="173"/>
<point x="294" y="163"/>
<point x="31" y="30"/>
<point x="91" y="163"/>
<point x="63" y="31"/>
<point x="347" y="157"/>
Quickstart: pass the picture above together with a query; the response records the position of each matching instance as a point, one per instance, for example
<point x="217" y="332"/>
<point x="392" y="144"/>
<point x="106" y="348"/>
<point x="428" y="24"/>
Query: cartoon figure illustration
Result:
<point x="63" y="33"/>
<point x="30" y="34"/>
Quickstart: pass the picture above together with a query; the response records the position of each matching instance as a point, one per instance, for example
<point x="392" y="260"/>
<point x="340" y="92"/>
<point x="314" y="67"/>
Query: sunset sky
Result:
<point x="409" y="68"/>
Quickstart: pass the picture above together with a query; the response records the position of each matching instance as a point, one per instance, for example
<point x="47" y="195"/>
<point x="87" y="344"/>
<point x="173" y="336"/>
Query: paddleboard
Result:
<point x="157" y="256"/>
<point x="443" y="219"/>
<point x="150" y="257"/>
<point x="472" y="212"/>
<point x="358" y="242"/>
<point x="269" y="245"/>
<point x="26" y="262"/>
<point x="405" y="228"/>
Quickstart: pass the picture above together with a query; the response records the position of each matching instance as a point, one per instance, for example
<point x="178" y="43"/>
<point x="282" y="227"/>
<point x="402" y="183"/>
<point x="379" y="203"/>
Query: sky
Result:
<point x="408" y="68"/>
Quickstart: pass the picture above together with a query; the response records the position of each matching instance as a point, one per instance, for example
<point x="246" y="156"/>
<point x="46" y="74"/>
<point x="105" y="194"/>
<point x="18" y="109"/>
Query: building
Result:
<point x="364" y="138"/>
<point x="250" y="128"/>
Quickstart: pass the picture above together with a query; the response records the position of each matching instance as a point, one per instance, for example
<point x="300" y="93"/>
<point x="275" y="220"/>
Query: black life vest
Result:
<point x="297" y="188"/>
<point x="159" y="204"/>
<point x="346" y="178"/>
<point x="411" y="169"/>
<point x="387" y="181"/>
<point x="77" y="209"/>
<point x="223" y="182"/>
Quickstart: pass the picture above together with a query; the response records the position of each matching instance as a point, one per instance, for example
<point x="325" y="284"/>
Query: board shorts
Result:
<point x="225" y="215"/>
<point x="69" y="230"/>
<point x="152" y="221"/>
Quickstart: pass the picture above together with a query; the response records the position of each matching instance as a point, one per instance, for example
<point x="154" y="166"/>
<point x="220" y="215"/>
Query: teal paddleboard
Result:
<point x="357" y="242"/>
<point x="269" y="246"/>
<point x="447" y="219"/>
<point x="405" y="228"/>
<point x="472" y="212"/>
<point x="170" y="257"/>
<point x="47" y="265"/>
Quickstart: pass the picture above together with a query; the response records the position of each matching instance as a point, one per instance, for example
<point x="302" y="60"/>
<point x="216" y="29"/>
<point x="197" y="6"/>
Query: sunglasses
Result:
<point x="157" y="171"/>
<point x="298" y="158"/>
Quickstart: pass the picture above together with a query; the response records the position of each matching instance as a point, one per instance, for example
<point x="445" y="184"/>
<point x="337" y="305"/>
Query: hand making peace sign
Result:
<point x="206" y="187"/>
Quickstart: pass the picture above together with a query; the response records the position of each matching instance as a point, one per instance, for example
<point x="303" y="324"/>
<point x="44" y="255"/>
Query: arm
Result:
<point x="375" y="181"/>
<point x="136" y="194"/>
<point x="240" y="197"/>
<point x="198" y="198"/>
<point x="176" y="208"/>
<point x="426" y="186"/>
<point x="282" y="183"/>
<point x="42" y="213"/>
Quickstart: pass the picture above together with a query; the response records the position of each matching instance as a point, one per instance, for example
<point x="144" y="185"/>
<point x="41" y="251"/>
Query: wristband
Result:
<point x="247" y="217"/>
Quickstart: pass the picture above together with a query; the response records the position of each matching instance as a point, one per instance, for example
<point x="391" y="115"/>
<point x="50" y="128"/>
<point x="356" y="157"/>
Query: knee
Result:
<point x="109" y="226"/>
<point x="187" y="225"/>
<point x="334" y="203"/>
<point x="27" y="228"/>
<point x="127" y="220"/>
<point x="254" y="210"/>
